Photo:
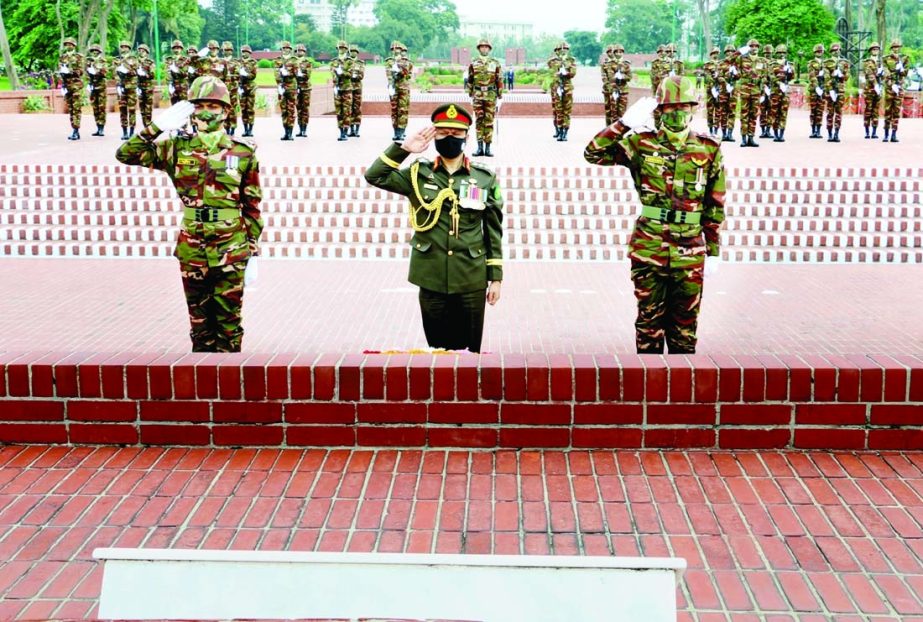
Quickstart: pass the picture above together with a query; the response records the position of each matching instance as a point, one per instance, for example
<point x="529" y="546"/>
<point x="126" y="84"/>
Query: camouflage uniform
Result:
<point x="97" y="72"/>
<point x="341" y="69"/>
<point x="219" y="186"/>
<point x="485" y="87"/>
<point x="781" y="74"/>
<point x="303" y="81"/>
<point x="399" y="71"/>
<point x="231" y="80"/>
<point x="657" y="68"/>
<point x="175" y="70"/>
<point x="192" y="63"/>
<point x="70" y="68"/>
<point x="728" y="75"/>
<point x="682" y="193"/>
<point x="356" y="77"/>
<point x="669" y="66"/>
<point x="896" y="67"/>
<point x="286" y="69"/>
<point x="212" y="64"/>
<point x="126" y="70"/>
<point x="563" y="69"/>
<point x="752" y="72"/>
<point x="766" y="121"/>
<point x="837" y="70"/>
<point x="873" y="72"/>
<point x="457" y="245"/>
<point x="709" y="74"/>
<point x="247" y="73"/>
<point x="816" y="82"/>
<point x="146" y="75"/>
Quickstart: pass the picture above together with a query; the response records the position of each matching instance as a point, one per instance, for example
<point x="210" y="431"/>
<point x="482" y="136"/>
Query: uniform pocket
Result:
<point x="421" y="245"/>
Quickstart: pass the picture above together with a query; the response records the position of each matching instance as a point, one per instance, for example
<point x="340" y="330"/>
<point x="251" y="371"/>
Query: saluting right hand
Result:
<point x="175" y="116"/>
<point x="419" y="142"/>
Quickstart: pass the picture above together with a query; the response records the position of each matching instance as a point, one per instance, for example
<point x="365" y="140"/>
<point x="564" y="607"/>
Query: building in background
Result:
<point x="361" y="14"/>
<point x="507" y="31"/>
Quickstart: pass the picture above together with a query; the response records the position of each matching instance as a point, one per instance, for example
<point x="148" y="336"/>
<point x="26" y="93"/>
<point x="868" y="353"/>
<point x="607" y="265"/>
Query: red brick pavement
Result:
<point x="767" y="536"/>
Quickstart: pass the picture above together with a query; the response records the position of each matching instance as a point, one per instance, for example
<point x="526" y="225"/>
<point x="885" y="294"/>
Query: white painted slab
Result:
<point x="185" y="584"/>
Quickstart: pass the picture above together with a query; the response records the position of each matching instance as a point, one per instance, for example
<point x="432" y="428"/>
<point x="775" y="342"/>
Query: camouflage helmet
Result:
<point x="819" y="48"/>
<point x="176" y="44"/>
<point x="209" y="88"/>
<point x="896" y="43"/>
<point x="874" y="46"/>
<point x="753" y="42"/>
<point x="610" y="48"/>
<point x="144" y="47"/>
<point x="557" y="47"/>
<point x="96" y="48"/>
<point x="227" y="45"/>
<point x="619" y="47"/>
<point x="714" y="51"/>
<point x="834" y="47"/>
<point x="676" y="90"/>
<point x="191" y="48"/>
<point x="660" y="49"/>
<point x="484" y="42"/>
<point x="353" y="47"/>
<point x="285" y="45"/>
<point x="781" y="49"/>
<point x="342" y="44"/>
<point x="246" y="48"/>
<point x="300" y="47"/>
<point x="565" y="45"/>
<point x="671" y="48"/>
<point x="395" y="45"/>
<point x="729" y="48"/>
<point x="403" y="47"/>
<point x="70" y="40"/>
<point x="767" y="48"/>
<point x="125" y="44"/>
<point x="212" y="44"/>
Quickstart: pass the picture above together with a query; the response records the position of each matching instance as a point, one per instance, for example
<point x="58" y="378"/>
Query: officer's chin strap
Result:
<point x="434" y="208"/>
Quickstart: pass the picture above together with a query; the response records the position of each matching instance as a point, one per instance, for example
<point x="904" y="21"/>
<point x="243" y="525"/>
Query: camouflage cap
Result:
<point x="191" y="49"/>
<point x="896" y="43"/>
<point x="71" y="41"/>
<point x="227" y="45"/>
<point x="209" y="88"/>
<point x="818" y="48"/>
<point x="565" y="45"/>
<point x="834" y="47"/>
<point x="176" y="44"/>
<point x="715" y="50"/>
<point x="729" y="48"/>
<point x="96" y="48"/>
<point x="781" y="49"/>
<point x="484" y="42"/>
<point x="125" y="44"/>
<point x="753" y="42"/>
<point x="246" y="48"/>
<point x="284" y="45"/>
<point x="619" y="47"/>
<point x="395" y="45"/>
<point x="212" y="44"/>
<point x="767" y="47"/>
<point x="874" y="46"/>
<point x="144" y="47"/>
<point x="676" y="90"/>
<point x="452" y="116"/>
<point x="353" y="48"/>
<point x="300" y="47"/>
<point x="342" y="44"/>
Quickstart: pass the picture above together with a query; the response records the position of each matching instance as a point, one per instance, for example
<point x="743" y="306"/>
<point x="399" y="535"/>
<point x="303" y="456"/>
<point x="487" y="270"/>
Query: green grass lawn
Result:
<point x="265" y="77"/>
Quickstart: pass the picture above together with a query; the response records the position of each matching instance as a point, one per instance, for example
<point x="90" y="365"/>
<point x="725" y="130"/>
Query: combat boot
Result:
<point x="247" y="131"/>
<point x="564" y="133"/>
<point x="131" y="131"/>
<point x="342" y="134"/>
<point x="394" y="135"/>
<point x="480" y="150"/>
<point x="487" y="152"/>
<point x="875" y="131"/>
<point x="356" y="134"/>
<point x="352" y="130"/>
<point x="867" y="131"/>
<point x="288" y="132"/>
<point x="893" y="137"/>
<point x="836" y="135"/>
<point x="98" y="132"/>
<point x="75" y="135"/>
<point x="302" y="130"/>
<point x="751" y="142"/>
<point x="814" y="132"/>
<point x="730" y="135"/>
<point x="887" y="131"/>
<point x="124" y="132"/>
<point x="829" y="136"/>
<point x="743" y="140"/>
<point x="231" y="130"/>
<point x="781" y="138"/>
<point x="403" y="133"/>
<point x="557" y="132"/>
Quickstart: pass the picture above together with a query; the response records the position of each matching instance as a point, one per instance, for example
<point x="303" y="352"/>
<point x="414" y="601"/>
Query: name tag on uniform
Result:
<point x="655" y="160"/>
<point x="186" y="161"/>
<point x="431" y="186"/>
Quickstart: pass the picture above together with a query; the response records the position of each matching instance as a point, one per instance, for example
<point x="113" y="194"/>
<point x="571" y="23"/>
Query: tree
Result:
<point x="340" y="15"/>
<point x="7" y="57"/>
<point x="584" y="46"/>
<point x="798" y="23"/>
<point x="415" y="23"/>
<point x="639" y="34"/>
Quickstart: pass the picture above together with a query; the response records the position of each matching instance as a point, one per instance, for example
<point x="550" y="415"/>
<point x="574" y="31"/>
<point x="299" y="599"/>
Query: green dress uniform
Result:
<point x="219" y="185"/>
<point x="70" y="68"/>
<point x="456" y="248"/>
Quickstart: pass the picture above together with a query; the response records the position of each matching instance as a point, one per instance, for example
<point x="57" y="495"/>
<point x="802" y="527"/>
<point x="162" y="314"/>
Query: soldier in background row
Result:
<point x="896" y="67"/>
<point x="749" y="87"/>
<point x="563" y="69"/>
<point x="303" y="83"/>
<point x="357" y="75"/>
<point x="816" y="99"/>
<point x="728" y="75"/>
<point x="341" y="69"/>
<point x="286" y="69"/>
<point x="780" y="76"/>
<point x="836" y="73"/>
<point x="766" y="121"/>
<point x="616" y="74"/>
<point x="485" y="87"/>
<point x="247" y="88"/>
<point x="873" y="74"/>
<point x="210" y="62"/>
<point x="231" y="81"/>
<point x="146" y="74"/>
<point x="709" y="73"/>
<point x="70" y="68"/>
<point x="192" y="63"/>
<point x="97" y="67"/>
<point x="399" y="71"/>
<point x="126" y="70"/>
<point x="175" y="64"/>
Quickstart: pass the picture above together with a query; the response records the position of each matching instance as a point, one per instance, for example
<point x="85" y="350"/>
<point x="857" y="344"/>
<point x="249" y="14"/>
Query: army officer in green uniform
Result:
<point x="456" y="211"/>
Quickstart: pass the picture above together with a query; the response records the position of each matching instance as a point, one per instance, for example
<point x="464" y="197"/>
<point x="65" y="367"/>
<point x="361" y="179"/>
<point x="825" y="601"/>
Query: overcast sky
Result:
<point x="546" y="16"/>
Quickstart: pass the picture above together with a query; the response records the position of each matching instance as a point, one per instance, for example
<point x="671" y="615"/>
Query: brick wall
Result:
<point x="491" y="401"/>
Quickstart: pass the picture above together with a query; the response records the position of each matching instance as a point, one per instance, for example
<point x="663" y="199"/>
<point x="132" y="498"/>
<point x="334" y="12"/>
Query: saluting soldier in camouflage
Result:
<point x="750" y="86"/>
<point x="712" y="89"/>
<point x="679" y="177"/>
<point x="126" y="70"/>
<point x="341" y="70"/>
<point x="873" y="72"/>
<point x="70" y="68"/>
<point x="781" y="74"/>
<point x="896" y="68"/>
<point x="563" y="69"/>
<point x="816" y="88"/>
<point x="456" y="212"/>
<point x="286" y="70"/>
<point x="728" y="75"/>
<point x="217" y="179"/>
<point x="485" y="87"/>
<point x="232" y="81"/>
<point x="146" y="74"/>
<point x="399" y="71"/>
<point x="97" y="67"/>
<point x="247" y="73"/>
<point x="837" y="70"/>
<point x="356" y="77"/>
<point x="303" y="82"/>
<point x="765" y="107"/>
<point x="175" y="70"/>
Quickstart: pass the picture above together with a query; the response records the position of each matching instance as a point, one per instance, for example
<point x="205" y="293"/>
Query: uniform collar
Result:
<point x="466" y="164"/>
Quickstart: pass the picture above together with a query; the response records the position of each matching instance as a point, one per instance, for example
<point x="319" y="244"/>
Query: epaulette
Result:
<point x="710" y="140"/>
<point x="483" y="167"/>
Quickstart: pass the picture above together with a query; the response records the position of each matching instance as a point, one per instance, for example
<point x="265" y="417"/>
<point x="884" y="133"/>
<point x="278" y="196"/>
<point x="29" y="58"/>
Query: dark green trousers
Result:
<point x="453" y="321"/>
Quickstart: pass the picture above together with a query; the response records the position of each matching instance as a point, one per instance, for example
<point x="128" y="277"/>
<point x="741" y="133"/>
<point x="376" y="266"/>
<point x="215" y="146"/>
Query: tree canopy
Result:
<point x="799" y="24"/>
<point x="584" y="46"/>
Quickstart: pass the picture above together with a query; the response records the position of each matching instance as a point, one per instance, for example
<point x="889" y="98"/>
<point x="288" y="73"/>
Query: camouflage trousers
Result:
<point x="231" y="122"/>
<point x="146" y="103"/>
<point x="668" y="306"/>
<point x="343" y="104"/>
<point x="304" y="106"/>
<point x="98" y="102"/>
<point x="712" y="104"/>
<point x="892" y="112"/>
<point x="400" y="107"/>
<point x="179" y="91"/>
<point x="609" y="107"/>
<point x="766" y="119"/>
<point x="616" y="102"/>
<point x="779" y="102"/>
<point x="485" y="109"/>
<point x="356" y="114"/>
<point x="872" y="104"/>
<point x="816" y="104"/>
<point x="73" y="98"/>
<point x="248" y="103"/>
<point x="727" y="110"/>
<point x="214" y="297"/>
<point x="128" y="102"/>
<point x="835" y="111"/>
<point x="562" y="106"/>
<point x="749" y="109"/>
<point x="287" y="103"/>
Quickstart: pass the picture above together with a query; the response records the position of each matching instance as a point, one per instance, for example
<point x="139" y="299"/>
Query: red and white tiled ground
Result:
<point x="767" y="536"/>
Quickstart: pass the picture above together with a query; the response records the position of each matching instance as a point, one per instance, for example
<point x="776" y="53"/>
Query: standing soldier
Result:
<point x="485" y="87"/>
<point x="341" y="69"/>
<point x="70" y="68"/>
<point x="231" y="80"/>
<point x="358" y="74"/>
<point x="837" y="72"/>
<point x="873" y="72"/>
<point x="896" y="66"/>
<point x="97" y="71"/>
<point x="286" y="68"/>
<point x="399" y="71"/>
<point x="456" y="211"/>
<point x="210" y="63"/>
<point x="127" y="72"/>
<point x="606" y="69"/>
<point x="175" y="65"/>
<point x="766" y="120"/>
<point x="658" y="68"/>
<point x="563" y="69"/>
<point x="217" y="178"/>
<point x="622" y="78"/>
<point x="752" y="70"/>
<point x="781" y="75"/>
<point x="816" y="83"/>
<point x="192" y="63"/>
<point x="303" y="82"/>
<point x="728" y="74"/>
<point x="679" y="177"/>
<point x="146" y="74"/>
<point x="670" y="65"/>
<point x="712" y="92"/>
<point x="247" y="89"/>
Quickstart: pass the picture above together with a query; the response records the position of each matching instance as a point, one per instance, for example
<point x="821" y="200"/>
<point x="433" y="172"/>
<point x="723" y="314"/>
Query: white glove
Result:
<point x="64" y="69"/>
<point x="243" y="73"/>
<point x="729" y="88"/>
<point x="820" y="74"/>
<point x="762" y="98"/>
<point x="878" y="89"/>
<point x="171" y="89"/>
<point x="174" y="117"/>
<point x="766" y="90"/>
<point x="395" y="68"/>
<point x="744" y="51"/>
<point x="122" y="69"/>
<point x="733" y="70"/>
<point x="283" y="71"/>
<point x="203" y="52"/>
<point x="880" y="71"/>
<point x="900" y="66"/>
<point x="138" y="91"/>
<point x="560" y="92"/>
<point x="120" y="90"/>
<point x="339" y="71"/>
<point x="714" y="91"/>
<point x="89" y="88"/>
<point x="252" y="273"/>
<point x="838" y="74"/>
<point x="562" y="71"/>
<point x="240" y="90"/>
<point x="300" y="74"/>
<point x="618" y="75"/>
<point x="783" y="87"/>
<point x="640" y="113"/>
<point x="190" y="69"/>
<point x="91" y="70"/>
<point x="819" y="90"/>
<point x="219" y="67"/>
<point x="141" y="72"/>
<point x="63" y="91"/>
<point x="281" y="90"/>
<point x="499" y="104"/>
<point x="896" y="88"/>
<point x="833" y="95"/>
<point x="711" y="265"/>
<point x="390" y="91"/>
<point x="174" y="68"/>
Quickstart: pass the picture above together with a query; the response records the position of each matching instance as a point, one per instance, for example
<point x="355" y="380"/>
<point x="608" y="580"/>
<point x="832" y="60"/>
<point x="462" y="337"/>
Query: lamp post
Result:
<point x="156" y="42"/>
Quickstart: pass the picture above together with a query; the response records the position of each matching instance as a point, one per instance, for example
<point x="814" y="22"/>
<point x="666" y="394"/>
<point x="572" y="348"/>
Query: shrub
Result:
<point x="260" y="102"/>
<point x="264" y="63"/>
<point x="35" y="103"/>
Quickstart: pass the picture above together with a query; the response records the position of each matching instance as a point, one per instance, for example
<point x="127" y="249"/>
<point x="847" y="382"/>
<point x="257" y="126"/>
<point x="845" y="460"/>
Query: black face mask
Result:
<point x="450" y="146"/>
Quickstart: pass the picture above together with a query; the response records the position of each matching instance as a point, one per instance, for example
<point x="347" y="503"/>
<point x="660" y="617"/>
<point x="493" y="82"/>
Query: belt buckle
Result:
<point x="206" y="214"/>
<point x="665" y="214"/>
